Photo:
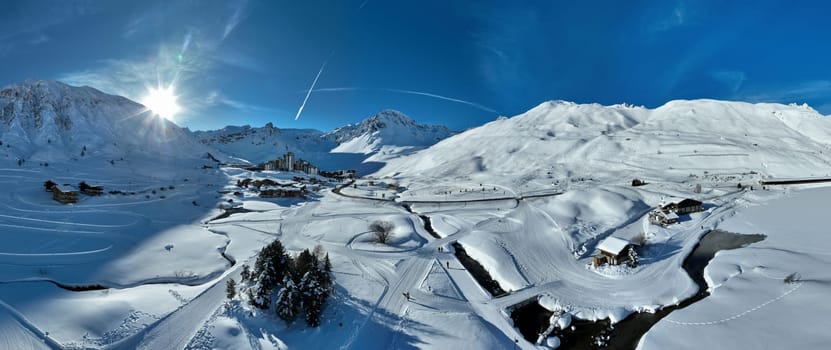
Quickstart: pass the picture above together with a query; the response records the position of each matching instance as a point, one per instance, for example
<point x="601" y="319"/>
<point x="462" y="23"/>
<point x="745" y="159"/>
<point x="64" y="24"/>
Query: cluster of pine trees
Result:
<point x="292" y="286"/>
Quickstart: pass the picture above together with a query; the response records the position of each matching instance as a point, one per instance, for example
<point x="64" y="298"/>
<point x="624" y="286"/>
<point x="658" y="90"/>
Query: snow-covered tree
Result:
<point x="231" y="288"/>
<point x="288" y="301"/>
<point x="327" y="265"/>
<point x="304" y="263"/>
<point x="245" y="275"/>
<point x="633" y="257"/>
<point x="272" y="266"/>
<point x="303" y="284"/>
<point x="314" y="293"/>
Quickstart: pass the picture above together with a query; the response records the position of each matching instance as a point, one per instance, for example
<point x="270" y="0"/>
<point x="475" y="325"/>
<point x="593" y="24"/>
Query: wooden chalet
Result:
<point x="90" y="190"/>
<point x="288" y="192"/>
<point x="48" y="185"/>
<point x="657" y="217"/>
<point x="687" y="206"/>
<point x="64" y="194"/>
<point x="613" y="251"/>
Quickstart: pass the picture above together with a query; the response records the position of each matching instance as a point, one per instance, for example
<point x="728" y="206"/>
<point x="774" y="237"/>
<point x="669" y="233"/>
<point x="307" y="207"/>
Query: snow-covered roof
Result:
<point x="613" y="245"/>
<point x="280" y="188"/>
<point x="64" y="188"/>
<point x="671" y="216"/>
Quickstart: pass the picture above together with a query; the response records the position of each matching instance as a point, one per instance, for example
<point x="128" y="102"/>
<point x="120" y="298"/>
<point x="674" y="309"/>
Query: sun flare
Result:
<point x="162" y="101"/>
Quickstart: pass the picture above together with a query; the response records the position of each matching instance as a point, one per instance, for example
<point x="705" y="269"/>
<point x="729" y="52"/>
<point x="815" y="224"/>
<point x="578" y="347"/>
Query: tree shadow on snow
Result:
<point x="352" y="323"/>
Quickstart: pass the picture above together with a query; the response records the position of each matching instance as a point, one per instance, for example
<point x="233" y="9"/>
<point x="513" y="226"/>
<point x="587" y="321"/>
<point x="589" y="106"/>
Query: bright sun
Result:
<point x="162" y="101"/>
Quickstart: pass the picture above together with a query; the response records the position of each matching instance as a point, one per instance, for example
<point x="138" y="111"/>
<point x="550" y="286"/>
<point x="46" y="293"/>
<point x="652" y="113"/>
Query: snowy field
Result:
<point x="145" y="264"/>
<point x="160" y="267"/>
<point x="750" y="287"/>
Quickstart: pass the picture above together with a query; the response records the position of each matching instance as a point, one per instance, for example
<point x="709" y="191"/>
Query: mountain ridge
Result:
<point x="388" y="133"/>
<point x="559" y="139"/>
<point x="49" y="120"/>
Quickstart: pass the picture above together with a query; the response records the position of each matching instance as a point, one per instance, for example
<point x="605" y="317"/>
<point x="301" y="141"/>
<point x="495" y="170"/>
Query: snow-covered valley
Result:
<point x="529" y="198"/>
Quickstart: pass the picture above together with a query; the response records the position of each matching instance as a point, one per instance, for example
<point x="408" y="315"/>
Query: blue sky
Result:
<point x="458" y="63"/>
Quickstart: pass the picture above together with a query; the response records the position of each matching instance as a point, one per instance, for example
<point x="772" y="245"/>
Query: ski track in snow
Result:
<point x="738" y="315"/>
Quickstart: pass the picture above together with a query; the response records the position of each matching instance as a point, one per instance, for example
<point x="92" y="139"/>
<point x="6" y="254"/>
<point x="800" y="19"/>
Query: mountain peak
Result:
<point x="385" y="118"/>
<point x="387" y="127"/>
<point x="50" y="120"/>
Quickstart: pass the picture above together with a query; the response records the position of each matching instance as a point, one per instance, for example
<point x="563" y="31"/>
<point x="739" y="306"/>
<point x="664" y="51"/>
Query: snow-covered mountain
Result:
<point x="258" y="145"/>
<point x="47" y="121"/>
<point x="562" y="139"/>
<point x="383" y="136"/>
<point x="387" y="128"/>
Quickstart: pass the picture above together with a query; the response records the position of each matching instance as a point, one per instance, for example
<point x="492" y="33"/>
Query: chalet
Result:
<point x="613" y="251"/>
<point x="64" y="194"/>
<point x="274" y="191"/>
<point x="658" y="217"/>
<point x="687" y="206"/>
<point x="90" y="190"/>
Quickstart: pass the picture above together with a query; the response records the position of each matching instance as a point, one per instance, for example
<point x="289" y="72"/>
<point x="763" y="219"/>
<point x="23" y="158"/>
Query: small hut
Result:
<point x="90" y="190"/>
<point x="64" y="194"/>
<point x="614" y="251"/>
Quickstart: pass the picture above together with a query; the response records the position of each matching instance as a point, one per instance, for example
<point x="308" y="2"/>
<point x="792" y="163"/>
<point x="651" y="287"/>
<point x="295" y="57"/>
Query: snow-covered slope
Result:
<point x="379" y="138"/>
<point x="561" y="139"/>
<point x="48" y="121"/>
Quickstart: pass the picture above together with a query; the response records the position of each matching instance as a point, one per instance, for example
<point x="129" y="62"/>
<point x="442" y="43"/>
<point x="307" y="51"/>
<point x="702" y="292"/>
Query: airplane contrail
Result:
<point x="451" y="99"/>
<point x="412" y="92"/>
<point x="310" y="91"/>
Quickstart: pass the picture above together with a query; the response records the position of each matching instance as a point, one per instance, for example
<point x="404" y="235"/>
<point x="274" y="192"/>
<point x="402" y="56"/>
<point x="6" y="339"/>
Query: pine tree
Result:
<point x="304" y="263"/>
<point x="315" y="287"/>
<point x="633" y="258"/>
<point x="272" y="266"/>
<point x="245" y="275"/>
<point x="231" y="288"/>
<point x="288" y="305"/>
<point x="311" y="298"/>
<point x="261" y="298"/>
<point x="327" y="265"/>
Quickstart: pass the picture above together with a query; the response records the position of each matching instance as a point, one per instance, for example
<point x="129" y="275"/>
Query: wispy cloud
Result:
<point x="818" y="91"/>
<point x="731" y="78"/>
<point x="132" y="77"/>
<point x="137" y="23"/>
<point x="194" y="56"/>
<point x="235" y="18"/>
<point x="29" y="22"/>
<point x="677" y="16"/>
<point x="411" y="92"/>
<point x="510" y="42"/>
<point x="217" y="98"/>
<point x="39" y="39"/>
<point x="238" y="59"/>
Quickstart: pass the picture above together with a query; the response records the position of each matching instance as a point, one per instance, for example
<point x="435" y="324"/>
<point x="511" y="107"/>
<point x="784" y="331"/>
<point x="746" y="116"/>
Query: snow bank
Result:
<point x="776" y="284"/>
